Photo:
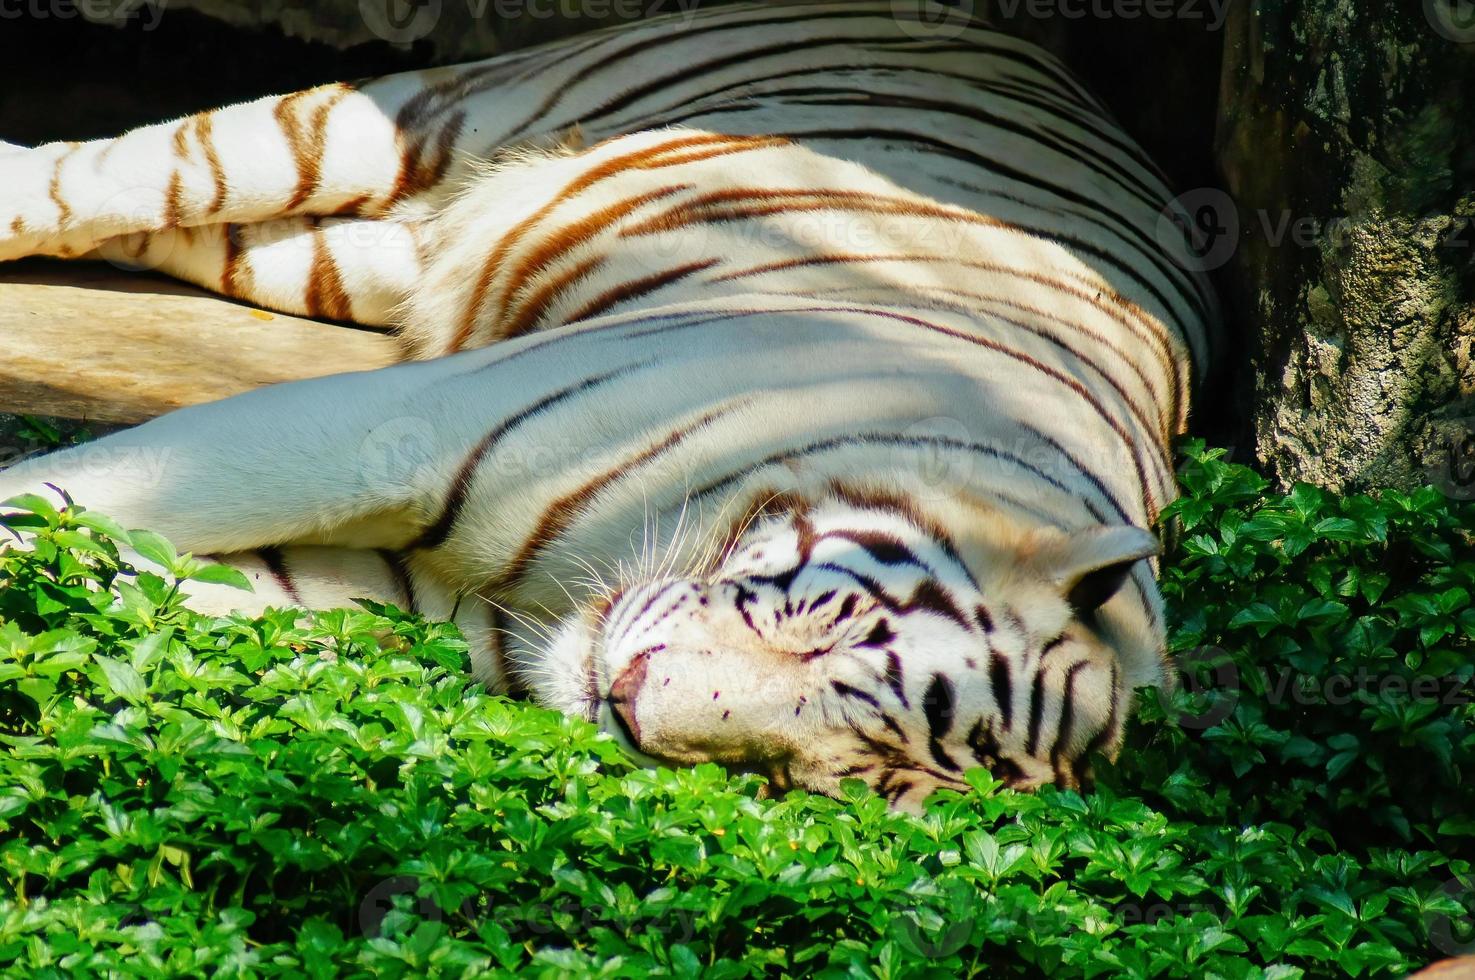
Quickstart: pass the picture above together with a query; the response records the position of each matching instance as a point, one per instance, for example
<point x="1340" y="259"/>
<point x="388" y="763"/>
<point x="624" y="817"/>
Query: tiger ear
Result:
<point x="1090" y="566"/>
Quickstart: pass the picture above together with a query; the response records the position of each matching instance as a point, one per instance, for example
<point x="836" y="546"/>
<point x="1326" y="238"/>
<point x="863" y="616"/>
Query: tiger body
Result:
<point x="788" y="385"/>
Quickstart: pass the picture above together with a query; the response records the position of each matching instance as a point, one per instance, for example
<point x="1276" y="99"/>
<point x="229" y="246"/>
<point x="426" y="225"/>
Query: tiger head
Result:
<point x="849" y="635"/>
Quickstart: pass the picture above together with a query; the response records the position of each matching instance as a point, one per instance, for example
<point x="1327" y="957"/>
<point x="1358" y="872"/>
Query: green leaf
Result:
<point x="122" y="679"/>
<point x="155" y="547"/>
<point x="35" y="504"/>
<point x="223" y="575"/>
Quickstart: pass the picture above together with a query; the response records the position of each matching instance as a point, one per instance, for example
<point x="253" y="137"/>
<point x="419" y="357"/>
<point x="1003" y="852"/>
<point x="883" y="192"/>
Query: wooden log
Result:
<point x="89" y="341"/>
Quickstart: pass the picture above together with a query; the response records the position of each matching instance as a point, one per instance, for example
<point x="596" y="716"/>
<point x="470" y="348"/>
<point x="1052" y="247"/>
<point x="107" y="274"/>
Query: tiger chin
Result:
<point x="845" y="634"/>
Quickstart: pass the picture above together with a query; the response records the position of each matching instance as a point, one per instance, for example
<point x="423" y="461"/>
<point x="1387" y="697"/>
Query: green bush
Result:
<point x="326" y="794"/>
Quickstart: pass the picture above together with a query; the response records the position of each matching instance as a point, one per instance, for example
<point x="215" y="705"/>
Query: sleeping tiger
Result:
<point x="787" y="385"/>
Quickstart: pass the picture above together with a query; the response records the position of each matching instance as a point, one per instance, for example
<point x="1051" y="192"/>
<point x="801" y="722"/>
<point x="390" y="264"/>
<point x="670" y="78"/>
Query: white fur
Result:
<point x="953" y="337"/>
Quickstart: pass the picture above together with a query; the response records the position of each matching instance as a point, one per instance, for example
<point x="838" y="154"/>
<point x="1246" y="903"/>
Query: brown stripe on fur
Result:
<point x="765" y="502"/>
<point x="173" y="201"/>
<point x="552" y="247"/>
<point x="560" y="515"/>
<point x="204" y="135"/>
<point x="351" y="208"/>
<point x="742" y="203"/>
<point x="235" y="273"/>
<point x="325" y="293"/>
<point x="306" y="140"/>
<point x="644" y="159"/>
<point x="17" y="225"/>
<point x="498" y="635"/>
<point x="285" y="113"/>
<point x="180" y="142"/>
<point x="423" y="165"/>
<point x="64" y="218"/>
<point x="635" y="288"/>
<point x="531" y="310"/>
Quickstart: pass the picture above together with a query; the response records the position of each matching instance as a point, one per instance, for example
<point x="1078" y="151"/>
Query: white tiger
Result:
<point x="790" y="385"/>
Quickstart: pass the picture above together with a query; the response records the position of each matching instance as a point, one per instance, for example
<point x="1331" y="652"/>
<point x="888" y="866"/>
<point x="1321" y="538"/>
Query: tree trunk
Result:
<point x="1346" y="140"/>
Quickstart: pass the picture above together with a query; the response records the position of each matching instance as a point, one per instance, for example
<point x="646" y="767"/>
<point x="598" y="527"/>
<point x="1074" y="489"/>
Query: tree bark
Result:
<point x="1346" y="141"/>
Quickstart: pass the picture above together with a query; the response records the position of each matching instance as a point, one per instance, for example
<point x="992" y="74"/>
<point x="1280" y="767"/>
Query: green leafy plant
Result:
<point x="326" y="794"/>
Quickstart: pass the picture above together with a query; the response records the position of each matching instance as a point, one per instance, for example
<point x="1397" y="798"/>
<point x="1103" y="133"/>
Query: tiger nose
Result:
<point x="623" y="692"/>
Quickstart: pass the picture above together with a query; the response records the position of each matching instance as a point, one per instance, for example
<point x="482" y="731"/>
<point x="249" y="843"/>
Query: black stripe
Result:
<point x="1003" y="686"/>
<point x="1084" y="393"/>
<point x="672" y="39"/>
<point x="935" y="442"/>
<point x="272" y="557"/>
<point x="1036" y="712"/>
<point x="895" y="679"/>
<point x="440" y="529"/>
<point x="880" y="635"/>
<point x="1102" y="737"/>
<point x="399" y="569"/>
<point x="985" y="749"/>
<point x="846" y="691"/>
<point x="1068" y="147"/>
<point x="938" y="705"/>
<point x="1067" y="712"/>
